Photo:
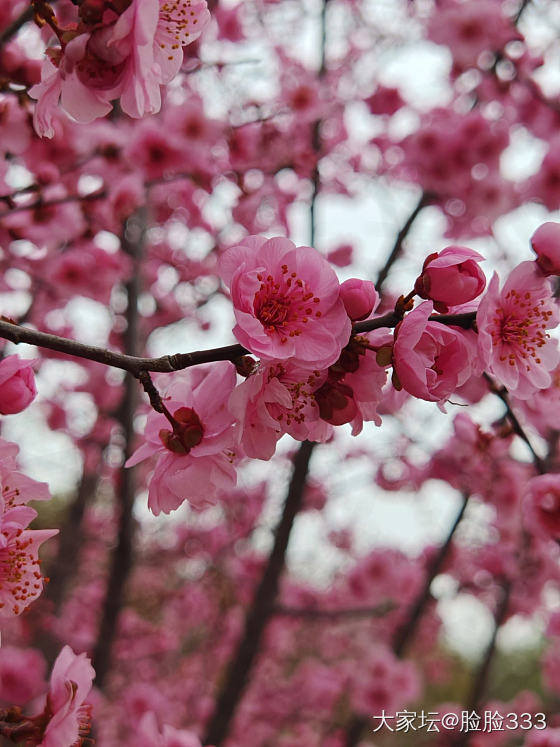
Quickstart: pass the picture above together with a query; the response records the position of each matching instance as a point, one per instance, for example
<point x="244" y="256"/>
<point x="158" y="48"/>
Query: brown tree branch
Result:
<point x="308" y="613"/>
<point x="405" y="633"/>
<point x="261" y="610"/>
<point x="122" y="559"/>
<point x="401" y="236"/>
<point x="12" y="28"/>
<point x="502" y="393"/>
<point x="168" y="363"/>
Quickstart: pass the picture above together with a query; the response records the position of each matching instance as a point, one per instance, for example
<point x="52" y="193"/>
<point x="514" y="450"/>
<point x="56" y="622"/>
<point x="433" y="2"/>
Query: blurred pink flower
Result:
<point x="128" y="59"/>
<point x="22" y="674"/>
<point x="542" y="504"/>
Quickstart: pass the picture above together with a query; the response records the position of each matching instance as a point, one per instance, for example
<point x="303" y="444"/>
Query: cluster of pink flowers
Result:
<point x="124" y="50"/>
<point x="315" y="371"/>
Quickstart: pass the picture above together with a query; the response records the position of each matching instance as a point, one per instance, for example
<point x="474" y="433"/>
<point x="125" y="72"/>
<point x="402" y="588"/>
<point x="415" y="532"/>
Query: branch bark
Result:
<point x="122" y="560"/>
<point x="261" y="610"/>
<point x="401" y="236"/>
<point x="404" y="634"/>
<point x="178" y="361"/>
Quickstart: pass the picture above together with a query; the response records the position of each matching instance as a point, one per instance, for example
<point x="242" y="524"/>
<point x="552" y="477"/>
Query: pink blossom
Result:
<point x="354" y="386"/>
<point x="20" y="578"/>
<point x="469" y="28"/>
<point x="17" y="384"/>
<point x="62" y="83"/>
<point x="127" y="58"/>
<point x="195" y="458"/>
<point x="512" y="337"/>
<point x="149" y="735"/>
<point x="70" y="684"/>
<point x="546" y="245"/>
<point x="22" y="674"/>
<point x="359" y="298"/>
<point x="286" y="301"/>
<point x="451" y="277"/>
<point x="542" y="503"/>
<point x="429" y="359"/>
<point x="385" y="100"/>
<point x="278" y="398"/>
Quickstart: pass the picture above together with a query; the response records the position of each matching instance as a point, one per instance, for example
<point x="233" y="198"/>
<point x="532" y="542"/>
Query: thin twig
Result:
<point x="308" y="613"/>
<point x="401" y="236"/>
<point x="502" y="393"/>
<point x="12" y="28"/>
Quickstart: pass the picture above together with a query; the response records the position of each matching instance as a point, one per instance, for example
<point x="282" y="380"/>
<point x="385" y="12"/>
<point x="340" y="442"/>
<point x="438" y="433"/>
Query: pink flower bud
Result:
<point x="359" y="298"/>
<point x="17" y="384"/>
<point x="451" y="277"/>
<point x="546" y="245"/>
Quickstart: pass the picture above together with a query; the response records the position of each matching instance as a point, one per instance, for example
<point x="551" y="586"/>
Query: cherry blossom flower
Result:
<point x="278" y="398"/>
<point x="512" y="337"/>
<point x="359" y="298"/>
<point x="430" y="360"/>
<point x="17" y="384"/>
<point x="354" y="386"/>
<point x="69" y="716"/>
<point x="195" y="458"/>
<point x="286" y="301"/>
<point x="21" y="581"/>
<point x="451" y="277"/>
<point x="128" y="59"/>
<point x="546" y="245"/>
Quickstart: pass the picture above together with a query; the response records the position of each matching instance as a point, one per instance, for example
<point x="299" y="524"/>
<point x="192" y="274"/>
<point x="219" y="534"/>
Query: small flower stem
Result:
<point x="401" y="236"/>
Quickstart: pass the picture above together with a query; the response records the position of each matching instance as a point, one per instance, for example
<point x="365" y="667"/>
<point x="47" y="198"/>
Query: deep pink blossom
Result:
<point x="278" y="398"/>
<point x="195" y="458"/>
<point x="512" y="337"/>
<point x="359" y="298"/>
<point x="286" y="301"/>
<point x="470" y="28"/>
<point x="430" y="359"/>
<point x="70" y="684"/>
<point x="17" y="384"/>
<point x="451" y="277"/>
<point x="546" y="245"/>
